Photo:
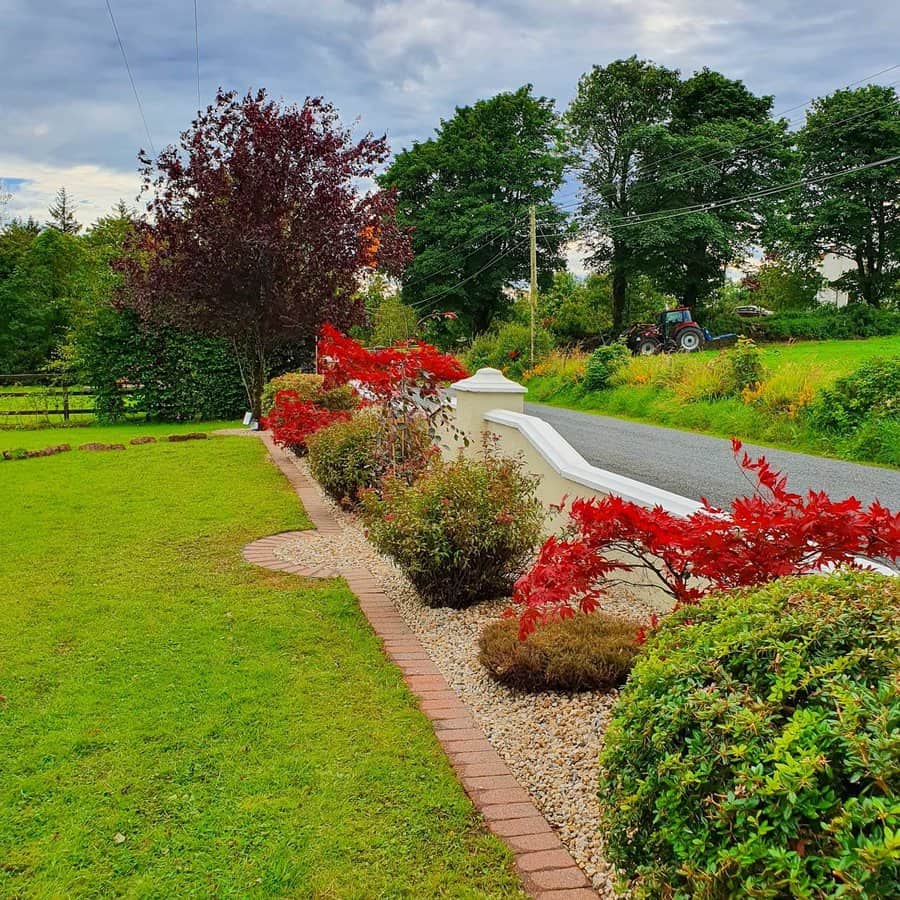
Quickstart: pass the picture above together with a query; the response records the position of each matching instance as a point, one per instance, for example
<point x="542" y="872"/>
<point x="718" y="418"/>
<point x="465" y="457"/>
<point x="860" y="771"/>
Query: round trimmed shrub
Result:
<point x="462" y="531"/>
<point x="345" y="458"/>
<point x="755" y="751"/>
<point x="307" y="386"/>
<point x="579" y="653"/>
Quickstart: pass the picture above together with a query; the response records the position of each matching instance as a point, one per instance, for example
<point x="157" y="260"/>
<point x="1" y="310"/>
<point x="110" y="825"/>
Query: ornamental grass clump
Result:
<point x="755" y="750"/>
<point x="584" y="652"/>
<point x="462" y="531"/>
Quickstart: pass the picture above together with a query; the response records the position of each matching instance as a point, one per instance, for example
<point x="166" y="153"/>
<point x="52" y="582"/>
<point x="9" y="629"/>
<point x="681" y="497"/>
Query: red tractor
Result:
<point x="674" y="330"/>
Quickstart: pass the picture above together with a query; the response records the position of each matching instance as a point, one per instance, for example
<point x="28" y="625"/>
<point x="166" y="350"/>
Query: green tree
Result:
<point x="576" y="311"/>
<point x="612" y="107"/>
<point x="466" y="193"/>
<point x="720" y="144"/>
<point x="855" y="216"/>
<point x="62" y="214"/>
<point x="393" y="321"/>
<point x="781" y="285"/>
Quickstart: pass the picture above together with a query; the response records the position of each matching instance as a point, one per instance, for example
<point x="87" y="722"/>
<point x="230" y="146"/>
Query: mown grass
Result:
<point x="175" y="722"/>
<point x="74" y="435"/>
<point x="794" y="373"/>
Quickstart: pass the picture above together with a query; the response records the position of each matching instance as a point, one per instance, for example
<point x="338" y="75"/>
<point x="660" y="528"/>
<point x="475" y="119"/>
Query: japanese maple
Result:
<point x="293" y="420"/>
<point x="767" y="535"/>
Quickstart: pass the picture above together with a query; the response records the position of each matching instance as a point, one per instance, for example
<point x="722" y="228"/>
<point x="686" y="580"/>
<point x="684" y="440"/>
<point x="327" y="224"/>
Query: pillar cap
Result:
<point x="488" y="381"/>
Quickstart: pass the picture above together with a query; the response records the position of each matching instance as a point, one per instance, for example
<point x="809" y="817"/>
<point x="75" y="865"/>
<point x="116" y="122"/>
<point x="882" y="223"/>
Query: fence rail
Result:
<point x="48" y="397"/>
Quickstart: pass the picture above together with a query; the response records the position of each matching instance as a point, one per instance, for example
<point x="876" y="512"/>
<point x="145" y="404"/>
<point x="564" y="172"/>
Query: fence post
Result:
<point x="65" y="403"/>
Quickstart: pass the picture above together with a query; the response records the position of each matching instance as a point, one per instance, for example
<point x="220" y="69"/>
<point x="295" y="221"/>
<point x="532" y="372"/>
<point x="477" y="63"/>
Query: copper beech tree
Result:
<point x="257" y="231"/>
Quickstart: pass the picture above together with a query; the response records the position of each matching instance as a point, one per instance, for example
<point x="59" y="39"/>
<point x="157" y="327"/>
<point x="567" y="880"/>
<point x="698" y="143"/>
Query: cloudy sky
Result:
<point x="69" y="116"/>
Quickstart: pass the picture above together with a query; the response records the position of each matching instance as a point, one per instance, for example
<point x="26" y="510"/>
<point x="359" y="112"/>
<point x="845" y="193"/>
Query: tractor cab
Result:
<point x="670" y="319"/>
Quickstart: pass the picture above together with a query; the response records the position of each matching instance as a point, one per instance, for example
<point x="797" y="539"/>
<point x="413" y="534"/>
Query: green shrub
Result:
<point x="462" y="530"/>
<point x="307" y="386"/>
<point x="744" y="364"/>
<point x="339" y="399"/>
<point x="877" y="440"/>
<point x="602" y="364"/>
<point x="346" y="458"/>
<point x="871" y="392"/>
<point x="508" y="348"/>
<point x="580" y="653"/>
<point x="755" y="751"/>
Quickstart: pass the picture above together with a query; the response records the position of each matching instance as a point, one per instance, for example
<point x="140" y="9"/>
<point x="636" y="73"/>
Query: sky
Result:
<point x="69" y="116"/>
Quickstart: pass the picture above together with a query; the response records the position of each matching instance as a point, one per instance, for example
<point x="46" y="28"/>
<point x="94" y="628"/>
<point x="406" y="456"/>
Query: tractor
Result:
<point x="674" y="330"/>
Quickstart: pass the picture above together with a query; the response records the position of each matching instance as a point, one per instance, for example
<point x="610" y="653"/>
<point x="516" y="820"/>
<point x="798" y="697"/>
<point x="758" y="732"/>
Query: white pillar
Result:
<point x="487" y="389"/>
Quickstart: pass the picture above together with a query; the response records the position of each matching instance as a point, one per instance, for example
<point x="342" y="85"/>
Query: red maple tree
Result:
<point x="767" y="535"/>
<point x="257" y="231"/>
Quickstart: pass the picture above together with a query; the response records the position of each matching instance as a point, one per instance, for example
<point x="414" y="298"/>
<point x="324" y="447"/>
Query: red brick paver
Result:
<point x="547" y="870"/>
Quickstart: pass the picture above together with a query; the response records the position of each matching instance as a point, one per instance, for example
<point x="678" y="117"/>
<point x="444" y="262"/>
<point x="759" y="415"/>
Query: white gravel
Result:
<point x="549" y="740"/>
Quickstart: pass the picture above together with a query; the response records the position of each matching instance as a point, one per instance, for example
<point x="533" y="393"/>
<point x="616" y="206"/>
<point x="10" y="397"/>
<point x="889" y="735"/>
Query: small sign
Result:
<point x="248" y="418"/>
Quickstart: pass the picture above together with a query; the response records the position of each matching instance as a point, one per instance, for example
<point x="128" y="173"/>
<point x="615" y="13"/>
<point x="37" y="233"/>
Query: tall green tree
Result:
<point x="855" y="216"/>
<point x="719" y="145"/>
<point x="466" y="193"/>
<point x="62" y="214"/>
<point x="612" y="107"/>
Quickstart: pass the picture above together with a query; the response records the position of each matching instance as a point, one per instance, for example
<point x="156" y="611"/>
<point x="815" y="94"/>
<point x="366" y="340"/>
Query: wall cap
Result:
<point x="488" y="381"/>
<point x="566" y="461"/>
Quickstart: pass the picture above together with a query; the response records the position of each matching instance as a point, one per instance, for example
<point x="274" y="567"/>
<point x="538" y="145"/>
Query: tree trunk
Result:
<point x="619" y="295"/>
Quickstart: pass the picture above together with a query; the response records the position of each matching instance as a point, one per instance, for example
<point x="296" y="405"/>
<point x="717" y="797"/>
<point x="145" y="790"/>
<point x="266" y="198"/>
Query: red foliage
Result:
<point x="293" y="420"/>
<point x="767" y="535"/>
<point x="386" y="373"/>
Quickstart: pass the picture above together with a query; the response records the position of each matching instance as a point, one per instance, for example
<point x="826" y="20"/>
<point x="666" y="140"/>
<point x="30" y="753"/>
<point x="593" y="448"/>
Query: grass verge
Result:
<point x="175" y="722"/>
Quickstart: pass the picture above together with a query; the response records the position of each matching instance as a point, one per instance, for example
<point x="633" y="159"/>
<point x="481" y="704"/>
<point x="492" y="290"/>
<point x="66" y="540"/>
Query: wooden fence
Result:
<point x="37" y="394"/>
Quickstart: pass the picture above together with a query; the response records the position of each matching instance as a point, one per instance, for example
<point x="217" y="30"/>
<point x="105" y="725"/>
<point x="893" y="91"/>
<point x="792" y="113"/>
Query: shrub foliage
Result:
<point x="871" y="392"/>
<point x="602" y="364"/>
<point x="754" y="751"/>
<point x="462" y="531"/>
<point x="583" y="652"/>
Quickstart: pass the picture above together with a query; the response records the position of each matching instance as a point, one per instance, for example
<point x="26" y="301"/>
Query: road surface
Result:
<point x="695" y="464"/>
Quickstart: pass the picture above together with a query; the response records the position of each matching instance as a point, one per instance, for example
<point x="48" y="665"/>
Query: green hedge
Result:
<point x="826" y="323"/>
<point x="755" y="751"/>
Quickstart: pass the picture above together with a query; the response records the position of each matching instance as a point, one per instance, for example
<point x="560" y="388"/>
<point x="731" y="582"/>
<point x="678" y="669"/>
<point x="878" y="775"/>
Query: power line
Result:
<point x="197" y="49"/>
<point x="137" y="98"/>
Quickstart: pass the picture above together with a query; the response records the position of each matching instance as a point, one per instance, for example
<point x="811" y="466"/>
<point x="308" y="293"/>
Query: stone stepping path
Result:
<point x="547" y="869"/>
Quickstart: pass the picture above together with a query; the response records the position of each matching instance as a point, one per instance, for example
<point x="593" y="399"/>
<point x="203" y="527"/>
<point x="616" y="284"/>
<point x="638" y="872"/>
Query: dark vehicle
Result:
<point x="674" y="330"/>
<point x="749" y="312"/>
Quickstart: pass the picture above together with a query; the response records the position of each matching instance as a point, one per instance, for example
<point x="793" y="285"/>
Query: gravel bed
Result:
<point x="549" y="740"/>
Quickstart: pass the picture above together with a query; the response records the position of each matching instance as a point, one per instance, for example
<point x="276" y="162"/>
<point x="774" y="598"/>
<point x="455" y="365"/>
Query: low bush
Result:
<point x="462" y="530"/>
<point x="602" y="364"/>
<point x="871" y="392"/>
<point x="508" y="348"/>
<point x="754" y="750"/>
<point x="348" y="457"/>
<point x="307" y="387"/>
<point x="584" y="652"/>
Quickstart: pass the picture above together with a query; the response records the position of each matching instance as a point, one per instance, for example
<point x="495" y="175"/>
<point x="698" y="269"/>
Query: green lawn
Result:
<point x="659" y="405"/>
<point x="241" y="730"/>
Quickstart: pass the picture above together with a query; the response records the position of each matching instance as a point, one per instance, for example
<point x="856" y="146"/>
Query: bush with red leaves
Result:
<point x="293" y="420"/>
<point x="770" y="534"/>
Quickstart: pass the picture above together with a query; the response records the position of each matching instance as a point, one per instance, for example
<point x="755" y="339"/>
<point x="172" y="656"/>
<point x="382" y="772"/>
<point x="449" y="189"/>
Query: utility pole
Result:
<point x="533" y="292"/>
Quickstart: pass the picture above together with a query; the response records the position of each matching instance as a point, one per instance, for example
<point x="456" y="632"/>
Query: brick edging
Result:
<point x="547" y="869"/>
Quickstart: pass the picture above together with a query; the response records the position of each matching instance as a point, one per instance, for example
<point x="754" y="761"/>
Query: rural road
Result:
<point x="693" y="464"/>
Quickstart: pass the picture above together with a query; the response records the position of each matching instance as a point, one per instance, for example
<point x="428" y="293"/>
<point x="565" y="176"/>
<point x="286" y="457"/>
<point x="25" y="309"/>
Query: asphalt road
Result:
<point x="695" y="464"/>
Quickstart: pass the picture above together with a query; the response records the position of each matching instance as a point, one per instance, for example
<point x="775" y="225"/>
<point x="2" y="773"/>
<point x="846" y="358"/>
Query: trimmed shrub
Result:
<point x="462" y="530"/>
<point x="754" y="750"/>
<point x="584" y="652"/>
<point x="347" y="457"/>
<point x="602" y="364"/>
<point x="339" y="399"/>
<point x="871" y="392"/>
<point x="307" y="386"/>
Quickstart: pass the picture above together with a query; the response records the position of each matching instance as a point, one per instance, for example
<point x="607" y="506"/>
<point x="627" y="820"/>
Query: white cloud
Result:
<point x="95" y="189"/>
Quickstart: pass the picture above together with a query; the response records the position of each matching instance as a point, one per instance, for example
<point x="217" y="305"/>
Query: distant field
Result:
<point x="16" y="410"/>
<point x="673" y="390"/>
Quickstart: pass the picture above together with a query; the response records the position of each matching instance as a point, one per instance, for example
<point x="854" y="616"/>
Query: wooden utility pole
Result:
<point x="533" y="292"/>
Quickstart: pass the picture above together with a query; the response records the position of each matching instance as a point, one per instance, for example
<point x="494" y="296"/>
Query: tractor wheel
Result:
<point x="689" y="339"/>
<point x="647" y="346"/>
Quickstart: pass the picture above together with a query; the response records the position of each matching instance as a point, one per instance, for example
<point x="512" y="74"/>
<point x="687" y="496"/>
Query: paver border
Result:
<point x="547" y="870"/>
